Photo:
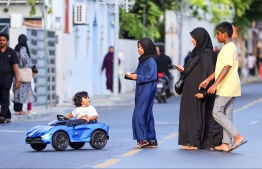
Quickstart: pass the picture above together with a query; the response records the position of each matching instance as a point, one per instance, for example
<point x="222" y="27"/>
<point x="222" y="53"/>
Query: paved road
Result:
<point x="118" y="153"/>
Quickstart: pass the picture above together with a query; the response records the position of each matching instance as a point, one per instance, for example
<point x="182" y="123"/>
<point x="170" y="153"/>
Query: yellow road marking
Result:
<point x="132" y="152"/>
<point x="171" y="136"/>
<point x="106" y="163"/>
<point x="248" y="105"/>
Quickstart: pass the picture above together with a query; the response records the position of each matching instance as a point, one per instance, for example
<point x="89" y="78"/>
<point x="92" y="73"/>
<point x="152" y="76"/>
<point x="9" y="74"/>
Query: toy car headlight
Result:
<point x="45" y="136"/>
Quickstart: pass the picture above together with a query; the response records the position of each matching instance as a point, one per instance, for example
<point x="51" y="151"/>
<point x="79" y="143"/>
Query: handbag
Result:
<point x="25" y="75"/>
<point x="180" y="83"/>
<point x="179" y="86"/>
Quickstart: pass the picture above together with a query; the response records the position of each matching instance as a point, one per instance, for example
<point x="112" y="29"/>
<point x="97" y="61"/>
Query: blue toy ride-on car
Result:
<point x="63" y="132"/>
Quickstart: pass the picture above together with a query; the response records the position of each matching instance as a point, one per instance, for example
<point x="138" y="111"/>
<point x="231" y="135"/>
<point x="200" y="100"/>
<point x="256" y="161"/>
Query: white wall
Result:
<point x="129" y="61"/>
<point x="14" y="34"/>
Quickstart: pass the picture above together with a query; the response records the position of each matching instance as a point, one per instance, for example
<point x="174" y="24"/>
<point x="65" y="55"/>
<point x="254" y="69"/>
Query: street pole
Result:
<point x="180" y="31"/>
<point x="115" y="71"/>
<point x="44" y="23"/>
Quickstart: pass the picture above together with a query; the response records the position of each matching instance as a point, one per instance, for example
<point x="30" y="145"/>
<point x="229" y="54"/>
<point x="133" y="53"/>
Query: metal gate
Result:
<point x="39" y="58"/>
<point x="4" y="27"/>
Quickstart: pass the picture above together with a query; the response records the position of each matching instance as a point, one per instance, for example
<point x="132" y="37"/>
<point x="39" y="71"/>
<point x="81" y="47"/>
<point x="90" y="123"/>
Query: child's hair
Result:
<point x="225" y="27"/>
<point x="77" y="99"/>
<point x="34" y="69"/>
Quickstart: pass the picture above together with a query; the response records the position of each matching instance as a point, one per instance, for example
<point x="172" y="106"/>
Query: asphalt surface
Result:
<point x="119" y="152"/>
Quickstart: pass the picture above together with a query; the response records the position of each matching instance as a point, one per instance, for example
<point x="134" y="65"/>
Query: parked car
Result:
<point x="63" y="132"/>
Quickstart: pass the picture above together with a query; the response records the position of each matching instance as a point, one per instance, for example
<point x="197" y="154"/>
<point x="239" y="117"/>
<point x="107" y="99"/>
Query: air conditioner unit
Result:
<point x="80" y="13"/>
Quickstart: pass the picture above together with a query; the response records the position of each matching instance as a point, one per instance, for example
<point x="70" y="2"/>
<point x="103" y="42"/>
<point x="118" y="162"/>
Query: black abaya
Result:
<point x="197" y="126"/>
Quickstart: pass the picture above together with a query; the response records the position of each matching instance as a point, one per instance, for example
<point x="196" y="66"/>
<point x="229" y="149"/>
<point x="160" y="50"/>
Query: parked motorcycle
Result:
<point x="162" y="88"/>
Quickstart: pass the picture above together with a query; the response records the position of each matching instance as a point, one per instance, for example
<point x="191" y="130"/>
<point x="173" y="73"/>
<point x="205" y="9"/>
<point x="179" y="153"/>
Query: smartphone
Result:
<point x="174" y="66"/>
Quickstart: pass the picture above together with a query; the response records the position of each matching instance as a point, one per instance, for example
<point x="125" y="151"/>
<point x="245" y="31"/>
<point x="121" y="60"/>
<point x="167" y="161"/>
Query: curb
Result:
<point x="251" y="80"/>
<point x="44" y="115"/>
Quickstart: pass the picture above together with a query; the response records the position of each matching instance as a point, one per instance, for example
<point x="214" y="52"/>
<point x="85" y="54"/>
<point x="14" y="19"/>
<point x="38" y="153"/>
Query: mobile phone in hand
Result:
<point x="174" y="66"/>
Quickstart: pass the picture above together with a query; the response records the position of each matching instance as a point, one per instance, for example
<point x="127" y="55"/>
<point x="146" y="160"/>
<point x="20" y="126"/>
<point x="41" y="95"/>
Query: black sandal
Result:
<point x="8" y="120"/>
<point x="2" y="120"/>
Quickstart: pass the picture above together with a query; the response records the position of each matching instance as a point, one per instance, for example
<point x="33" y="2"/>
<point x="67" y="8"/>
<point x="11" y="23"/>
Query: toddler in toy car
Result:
<point x="83" y="108"/>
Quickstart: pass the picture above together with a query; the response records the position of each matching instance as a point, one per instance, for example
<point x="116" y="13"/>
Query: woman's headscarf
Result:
<point x="149" y="49"/>
<point x="22" y="43"/>
<point x="203" y="40"/>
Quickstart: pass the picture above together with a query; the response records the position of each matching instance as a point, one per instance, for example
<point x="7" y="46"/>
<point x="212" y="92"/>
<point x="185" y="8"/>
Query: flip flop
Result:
<point x="237" y="145"/>
<point x="215" y="149"/>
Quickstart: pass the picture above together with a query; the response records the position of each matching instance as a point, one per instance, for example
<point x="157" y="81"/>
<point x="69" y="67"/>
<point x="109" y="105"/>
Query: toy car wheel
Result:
<point x="76" y="145"/>
<point x="60" y="141"/>
<point x="98" y="139"/>
<point x="38" y="147"/>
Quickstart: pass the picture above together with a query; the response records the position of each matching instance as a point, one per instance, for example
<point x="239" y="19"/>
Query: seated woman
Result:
<point x="83" y="108"/>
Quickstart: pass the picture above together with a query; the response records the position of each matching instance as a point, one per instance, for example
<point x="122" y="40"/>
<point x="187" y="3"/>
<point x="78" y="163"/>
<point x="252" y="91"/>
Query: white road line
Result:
<point x="254" y="122"/>
<point x="12" y="131"/>
<point x="248" y="105"/>
<point x="171" y="136"/>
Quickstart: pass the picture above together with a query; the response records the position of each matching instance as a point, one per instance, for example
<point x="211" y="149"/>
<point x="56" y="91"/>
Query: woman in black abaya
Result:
<point x="197" y="127"/>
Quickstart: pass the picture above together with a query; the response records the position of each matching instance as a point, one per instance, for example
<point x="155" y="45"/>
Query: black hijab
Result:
<point x="22" y="43"/>
<point x="149" y="49"/>
<point x="203" y="40"/>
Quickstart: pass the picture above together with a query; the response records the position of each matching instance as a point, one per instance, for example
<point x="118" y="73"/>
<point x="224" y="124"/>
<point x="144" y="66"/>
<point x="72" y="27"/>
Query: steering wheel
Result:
<point x="61" y="117"/>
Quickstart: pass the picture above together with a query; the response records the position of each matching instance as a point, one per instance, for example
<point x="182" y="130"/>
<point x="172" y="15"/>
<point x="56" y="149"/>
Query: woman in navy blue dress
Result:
<point x="146" y="80"/>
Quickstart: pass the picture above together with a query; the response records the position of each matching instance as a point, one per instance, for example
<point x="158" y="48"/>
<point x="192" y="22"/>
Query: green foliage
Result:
<point x="221" y="10"/>
<point x="49" y="11"/>
<point x="132" y="24"/>
<point x="254" y="13"/>
<point x="33" y="8"/>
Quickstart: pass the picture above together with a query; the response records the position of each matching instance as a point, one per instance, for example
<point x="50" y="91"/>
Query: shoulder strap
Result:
<point x="192" y="63"/>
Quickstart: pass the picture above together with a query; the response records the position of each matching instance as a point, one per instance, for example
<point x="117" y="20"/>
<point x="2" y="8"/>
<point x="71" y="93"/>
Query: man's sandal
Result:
<point x="21" y="113"/>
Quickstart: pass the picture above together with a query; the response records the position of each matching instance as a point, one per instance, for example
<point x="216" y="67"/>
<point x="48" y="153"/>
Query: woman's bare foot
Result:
<point x="17" y="113"/>
<point x="189" y="147"/>
<point x="21" y="113"/>
<point x="223" y="147"/>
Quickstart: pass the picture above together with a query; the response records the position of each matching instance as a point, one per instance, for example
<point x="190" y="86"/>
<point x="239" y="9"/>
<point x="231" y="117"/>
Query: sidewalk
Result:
<point x="251" y="80"/>
<point x="43" y="114"/>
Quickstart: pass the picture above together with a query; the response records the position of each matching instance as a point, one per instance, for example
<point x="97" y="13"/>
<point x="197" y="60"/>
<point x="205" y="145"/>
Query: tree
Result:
<point x="132" y="24"/>
<point x="33" y="9"/>
<point x="146" y="19"/>
<point x="223" y="10"/>
<point x="254" y="13"/>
